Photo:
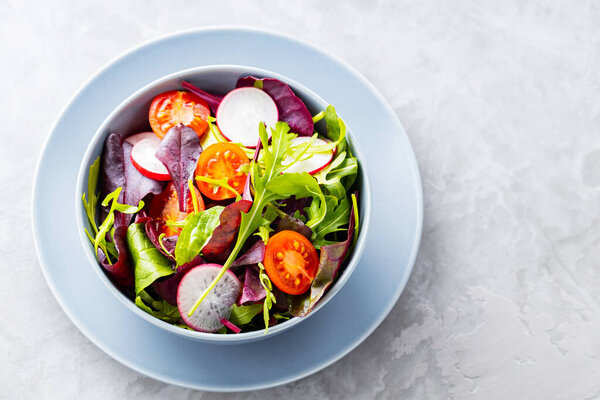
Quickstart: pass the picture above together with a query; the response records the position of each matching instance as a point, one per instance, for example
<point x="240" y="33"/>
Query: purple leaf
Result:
<point x="291" y="109"/>
<point x="331" y="258"/>
<point x="167" y="288"/>
<point x="253" y="290"/>
<point x="254" y="255"/>
<point x="120" y="272"/>
<point x="220" y="244"/>
<point x="179" y="151"/>
<point x="118" y="171"/>
<point x="289" y="223"/>
<point x="212" y="99"/>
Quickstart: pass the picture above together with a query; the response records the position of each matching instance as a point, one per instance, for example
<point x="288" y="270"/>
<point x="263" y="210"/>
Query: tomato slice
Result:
<point x="165" y="207"/>
<point x="222" y="161"/>
<point x="291" y="262"/>
<point x="178" y="107"/>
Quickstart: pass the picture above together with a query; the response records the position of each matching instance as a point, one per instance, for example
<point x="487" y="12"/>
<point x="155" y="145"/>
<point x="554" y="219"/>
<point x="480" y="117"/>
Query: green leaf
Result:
<point x="337" y="216"/>
<point x="335" y="127"/>
<point x="196" y="233"/>
<point x="90" y="205"/>
<point x="269" y="298"/>
<point x="301" y="184"/>
<point x="273" y="155"/>
<point x="242" y="315"/>
<point x="149" y="263"/>
<point x="160" y="309"/>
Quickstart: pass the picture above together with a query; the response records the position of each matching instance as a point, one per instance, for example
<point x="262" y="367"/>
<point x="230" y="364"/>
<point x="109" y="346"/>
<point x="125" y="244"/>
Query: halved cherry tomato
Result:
<point x="165" y="207"/>
<point x="291" y="262"/>
<point x="222" y="161"/>
<point x="178" y="107"/>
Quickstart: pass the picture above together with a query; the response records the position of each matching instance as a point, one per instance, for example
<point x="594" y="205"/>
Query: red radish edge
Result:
<point x="230" y="325"/>
<point x="152" y="174"/>
<point x="224" y="101"/>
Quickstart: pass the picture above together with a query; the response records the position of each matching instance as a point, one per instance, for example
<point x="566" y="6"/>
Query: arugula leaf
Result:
<point x="90" y="206"/>
<point x="263" y="232"/>
<point x="149" y="263"/>
<point x="196" y="233"/>
<point x="338" y="176"/>
<point x="335" y="127"/>
<point x="333" y="222"/>
<point x="272" y="157"/>
<point x="301" y="184"/>
<point x="157" y="308"/>
<point x="241" y="315"/>
<point x="270" y="297"/>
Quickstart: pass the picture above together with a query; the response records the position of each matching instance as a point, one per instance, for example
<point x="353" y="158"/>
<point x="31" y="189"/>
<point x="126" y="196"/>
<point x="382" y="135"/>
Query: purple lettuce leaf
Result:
<point x="289" y="223"/>
<point x="179" y="151"/>
<point x="254" y="255"/>
<point x="166" y="288"/>
<point x="212" y="99"/>
<point x="220" y="244"/>
<point x="253" y="290"/>
<point x="118" y="171"/>
<point x="120" y="272"/>
<point x="291" y="109"/>
<point x="331" y="258"/>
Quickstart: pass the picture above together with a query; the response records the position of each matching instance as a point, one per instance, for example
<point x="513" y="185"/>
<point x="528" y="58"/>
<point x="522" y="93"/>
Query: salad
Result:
<point x="232" y="213"/>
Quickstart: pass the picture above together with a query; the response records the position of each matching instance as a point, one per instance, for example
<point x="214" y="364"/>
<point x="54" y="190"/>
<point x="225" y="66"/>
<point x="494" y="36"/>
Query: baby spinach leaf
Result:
<point x="196" y="233"/>
<point x="242" y="315"/>
<point x="157" y="308"/>
<point x="335" y="127"/>
<point x="149" y="263"/>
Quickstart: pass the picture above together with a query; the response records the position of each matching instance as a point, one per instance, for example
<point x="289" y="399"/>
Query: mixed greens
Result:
<point x="232" y="214"/>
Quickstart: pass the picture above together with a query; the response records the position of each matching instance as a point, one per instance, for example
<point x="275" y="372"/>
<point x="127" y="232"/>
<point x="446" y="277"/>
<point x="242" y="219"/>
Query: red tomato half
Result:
<point x="291" y="262"/>
<point x="218" y="161"/>
<point x="178" y="107"/>
<point x="165" y="207"/>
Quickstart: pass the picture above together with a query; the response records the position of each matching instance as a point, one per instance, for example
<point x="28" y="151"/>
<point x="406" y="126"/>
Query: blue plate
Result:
<point x="340" y="326"/>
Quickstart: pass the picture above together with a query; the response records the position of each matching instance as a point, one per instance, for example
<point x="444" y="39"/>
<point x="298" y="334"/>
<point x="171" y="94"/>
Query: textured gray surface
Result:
<point x="501" y="103"/>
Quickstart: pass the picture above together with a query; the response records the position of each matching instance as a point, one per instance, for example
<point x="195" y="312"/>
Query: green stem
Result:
<point x="220" y="182"/>
<point x="318" y="117"/>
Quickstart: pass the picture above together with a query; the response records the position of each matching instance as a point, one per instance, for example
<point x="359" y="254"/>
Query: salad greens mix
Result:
<point x="232" y="214"/>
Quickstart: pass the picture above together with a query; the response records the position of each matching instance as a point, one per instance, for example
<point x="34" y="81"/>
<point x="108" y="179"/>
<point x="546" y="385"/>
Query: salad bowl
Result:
<point x="131" y="117"/>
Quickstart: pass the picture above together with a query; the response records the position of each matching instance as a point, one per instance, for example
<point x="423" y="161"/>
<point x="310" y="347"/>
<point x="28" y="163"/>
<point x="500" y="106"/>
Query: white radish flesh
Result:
<point x="144" y="159"/>
<point x="138" y="137"/>
<point x="240" y="112"/>
<point x="309" y="162"/>
<point x="217" y="304"/>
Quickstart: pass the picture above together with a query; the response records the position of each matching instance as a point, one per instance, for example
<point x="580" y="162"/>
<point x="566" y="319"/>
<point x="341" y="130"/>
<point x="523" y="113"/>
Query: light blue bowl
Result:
<point x="131" y="117"/>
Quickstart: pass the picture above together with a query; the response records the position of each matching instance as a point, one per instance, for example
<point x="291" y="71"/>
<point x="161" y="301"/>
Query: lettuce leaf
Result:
<point x="196" y="233"/>
<point x="149" y="263"/>
<point x="179" y="151"/>
<point x="157" y="308"/>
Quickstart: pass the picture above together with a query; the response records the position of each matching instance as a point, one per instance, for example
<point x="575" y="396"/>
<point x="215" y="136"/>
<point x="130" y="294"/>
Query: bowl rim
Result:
<point x="81" y="187"/>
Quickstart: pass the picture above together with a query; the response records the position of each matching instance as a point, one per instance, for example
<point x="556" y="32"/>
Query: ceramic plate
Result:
<point x="342" y="324"/>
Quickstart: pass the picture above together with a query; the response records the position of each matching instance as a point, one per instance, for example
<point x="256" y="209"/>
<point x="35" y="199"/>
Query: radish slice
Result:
<point x="144" y="159"/>
<point x="216" y="307"/>
<point x="312" y="164"/>
<point x="240" y="112"/>
<point x="138" y="137"/>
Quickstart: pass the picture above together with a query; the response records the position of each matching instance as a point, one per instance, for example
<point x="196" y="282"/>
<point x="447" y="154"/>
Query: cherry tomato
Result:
<point x="222" y="161"/>
<point x="165" y="207"/>
<point x="291" y="262"/>
<point x="178" y="107"/>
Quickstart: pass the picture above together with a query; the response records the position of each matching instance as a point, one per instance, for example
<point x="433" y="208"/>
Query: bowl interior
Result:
<point x="131" y="117"/>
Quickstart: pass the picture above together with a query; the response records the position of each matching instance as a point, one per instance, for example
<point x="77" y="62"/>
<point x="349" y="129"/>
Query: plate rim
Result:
<point x="414" y="173"/>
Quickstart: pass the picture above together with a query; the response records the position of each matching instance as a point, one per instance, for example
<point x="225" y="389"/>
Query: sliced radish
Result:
<point x="138" y="137"/>
<point x="144" y="159"/>
<point x="216" y="307"/>
<point x="309" y="162"/>
<point x="240" y="112"/>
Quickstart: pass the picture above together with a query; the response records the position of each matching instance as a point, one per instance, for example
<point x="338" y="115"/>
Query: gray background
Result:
<point x="501" y="102"/>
